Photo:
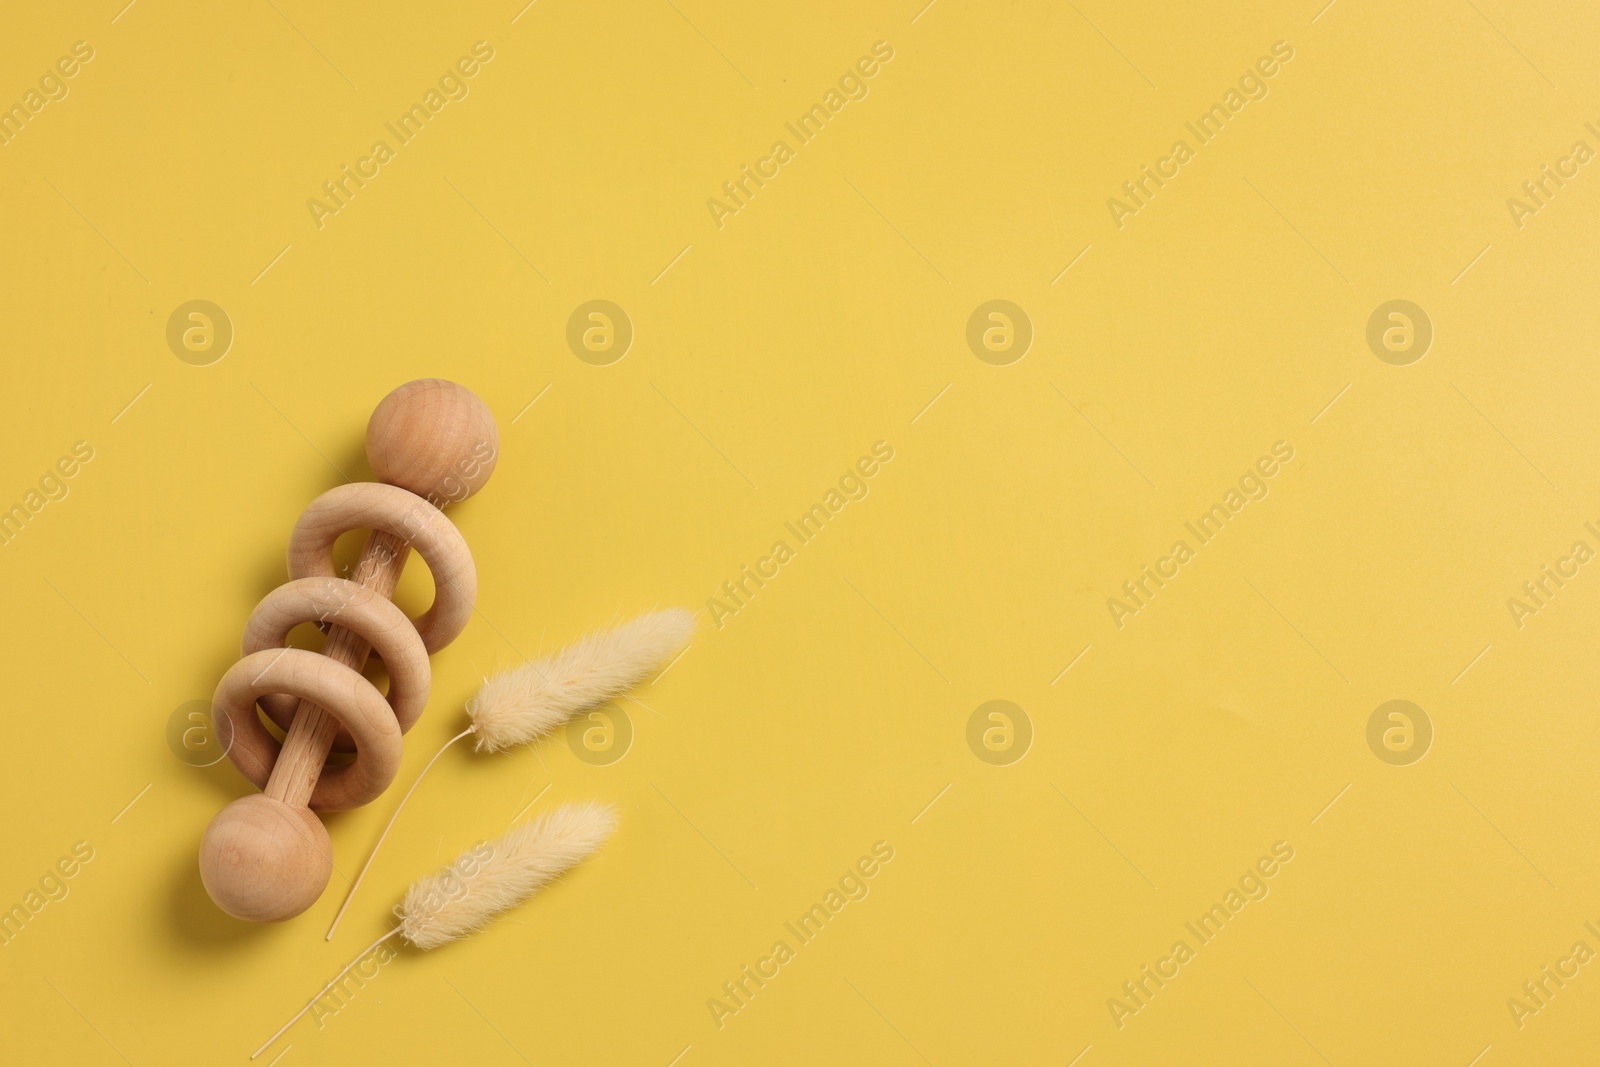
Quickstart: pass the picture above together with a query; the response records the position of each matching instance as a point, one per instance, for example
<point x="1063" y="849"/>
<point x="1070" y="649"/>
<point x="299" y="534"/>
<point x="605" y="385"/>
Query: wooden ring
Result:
<point x="374" y="505"/>
<point x="329" y="684"/>
<point x="373" y="617"/>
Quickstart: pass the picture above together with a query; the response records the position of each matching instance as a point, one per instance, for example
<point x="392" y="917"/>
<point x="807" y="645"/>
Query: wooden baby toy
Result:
<point x="266" y="857"/>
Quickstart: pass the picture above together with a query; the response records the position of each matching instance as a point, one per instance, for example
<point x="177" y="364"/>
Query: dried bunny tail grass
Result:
<point x="484" y="881"/>
<point x="519" y="705"/>
<point x="451" y="904"/>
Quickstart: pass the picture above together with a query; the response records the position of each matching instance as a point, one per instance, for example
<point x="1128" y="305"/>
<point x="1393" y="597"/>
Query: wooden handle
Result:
<point x="310" y="736"/>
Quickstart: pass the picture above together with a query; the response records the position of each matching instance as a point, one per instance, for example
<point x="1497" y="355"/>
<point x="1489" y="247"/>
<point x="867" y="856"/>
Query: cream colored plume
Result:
<point x="447" y="905"/>
<point x="518" y="705"/>
<point x="485" y="880"/>
<point x="526" y="702"/>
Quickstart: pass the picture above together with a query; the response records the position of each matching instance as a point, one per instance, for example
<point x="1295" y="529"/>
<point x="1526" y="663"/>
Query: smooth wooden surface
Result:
<point x="337" y="601"/>
<point x="266" y="857"/>
<point x="263" y="860"/>
<point x="400" y="521"/>
<point x="310" y="737"/>
<point x="434" y="438"/>
<point x="350" y="699"/>
<point x="409" y="521"/>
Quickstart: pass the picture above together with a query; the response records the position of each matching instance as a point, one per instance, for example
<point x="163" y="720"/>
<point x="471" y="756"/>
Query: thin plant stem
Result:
<point x="374" y="855"/>
<point x="301" y="1013"/>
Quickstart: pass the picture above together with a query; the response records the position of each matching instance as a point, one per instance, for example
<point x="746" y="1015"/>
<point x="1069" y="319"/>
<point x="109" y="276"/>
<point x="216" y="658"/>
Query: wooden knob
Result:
<point x="266" y="857"/>
<point x="263" y="860"/>
<point x="435" y="438"/>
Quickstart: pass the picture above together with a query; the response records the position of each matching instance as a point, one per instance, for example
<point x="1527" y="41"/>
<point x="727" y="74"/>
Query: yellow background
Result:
<point x="828" y="713"/>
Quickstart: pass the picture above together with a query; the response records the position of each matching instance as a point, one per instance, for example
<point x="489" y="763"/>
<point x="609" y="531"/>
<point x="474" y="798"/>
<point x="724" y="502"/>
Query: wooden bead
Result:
<point x="263" y="860"/>
<point x="435" y="438"/>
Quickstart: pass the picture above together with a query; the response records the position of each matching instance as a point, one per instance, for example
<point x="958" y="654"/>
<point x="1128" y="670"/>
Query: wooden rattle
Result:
<point x="266" y="857"/>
